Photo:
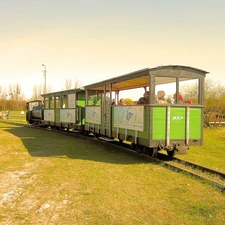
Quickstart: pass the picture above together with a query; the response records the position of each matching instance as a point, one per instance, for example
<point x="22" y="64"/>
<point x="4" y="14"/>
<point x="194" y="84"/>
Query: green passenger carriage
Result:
<point x="65" y="109"/>
<point x="149" y="127"/>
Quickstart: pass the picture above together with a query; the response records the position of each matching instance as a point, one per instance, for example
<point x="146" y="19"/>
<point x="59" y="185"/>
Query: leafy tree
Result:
<point x="129" y="101"/>
<point x="214" y="101"/>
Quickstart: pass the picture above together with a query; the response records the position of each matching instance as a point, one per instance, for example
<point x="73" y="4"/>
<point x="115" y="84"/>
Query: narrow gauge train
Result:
<point x="148" y="128"/>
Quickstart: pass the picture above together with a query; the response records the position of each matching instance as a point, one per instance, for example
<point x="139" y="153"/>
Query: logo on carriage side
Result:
<point x="178" y="117"/>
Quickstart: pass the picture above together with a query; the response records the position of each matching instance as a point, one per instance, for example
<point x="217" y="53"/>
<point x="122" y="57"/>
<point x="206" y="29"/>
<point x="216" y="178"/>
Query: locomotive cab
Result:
<point x="34" y="111"/>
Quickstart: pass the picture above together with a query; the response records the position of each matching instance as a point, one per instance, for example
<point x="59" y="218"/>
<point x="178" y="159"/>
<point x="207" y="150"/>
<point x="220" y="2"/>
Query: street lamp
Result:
<point x="44" y="74"/>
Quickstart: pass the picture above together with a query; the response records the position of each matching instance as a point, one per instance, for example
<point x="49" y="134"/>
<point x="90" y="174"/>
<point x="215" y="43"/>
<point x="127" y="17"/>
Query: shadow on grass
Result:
<point x="45" y="143"/>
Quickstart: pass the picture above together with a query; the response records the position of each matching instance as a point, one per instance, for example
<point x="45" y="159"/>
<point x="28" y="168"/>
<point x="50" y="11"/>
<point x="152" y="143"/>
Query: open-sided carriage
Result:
<point x="172" y="125"/>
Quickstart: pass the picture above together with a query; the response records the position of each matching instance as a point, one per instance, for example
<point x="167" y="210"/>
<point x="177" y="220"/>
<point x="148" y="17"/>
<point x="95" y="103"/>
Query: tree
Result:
<point x="3" y="96"/>
<point x="68" y="84"/>
<point x="13" y="95"/>
<point x="129" y="101"/>
<point x="12" y="98"/>
<point x="36" y="92"/>
<point x="77" y="84"/>
<point x="214" y="101"/>
<point x="49" y="89"/>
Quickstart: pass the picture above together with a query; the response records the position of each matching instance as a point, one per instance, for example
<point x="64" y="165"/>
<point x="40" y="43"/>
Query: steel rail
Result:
<point x="202" y="168"/>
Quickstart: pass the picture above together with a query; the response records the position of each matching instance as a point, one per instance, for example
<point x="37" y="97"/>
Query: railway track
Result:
<point x="213" y="177"/>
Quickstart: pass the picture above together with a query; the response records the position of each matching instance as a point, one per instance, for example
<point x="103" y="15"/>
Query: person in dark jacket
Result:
<point x="145" y="99"/>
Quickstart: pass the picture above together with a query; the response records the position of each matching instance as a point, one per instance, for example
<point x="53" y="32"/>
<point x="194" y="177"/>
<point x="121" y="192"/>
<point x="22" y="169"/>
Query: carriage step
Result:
<point x="106" y="139"/>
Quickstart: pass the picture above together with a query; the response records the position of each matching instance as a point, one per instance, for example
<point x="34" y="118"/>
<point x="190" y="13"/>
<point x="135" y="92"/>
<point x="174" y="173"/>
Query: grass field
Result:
<point x="212" y="153"/>
<point x="14" y="117"/>
<point x="47" y="178"/>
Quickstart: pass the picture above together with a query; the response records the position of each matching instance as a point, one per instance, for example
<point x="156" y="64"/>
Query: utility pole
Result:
<point x="44" y="74"/>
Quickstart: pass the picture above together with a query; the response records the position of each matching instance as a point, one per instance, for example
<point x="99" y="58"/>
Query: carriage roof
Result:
<point x="140" y="78"/>
<point x="70" y="91"/>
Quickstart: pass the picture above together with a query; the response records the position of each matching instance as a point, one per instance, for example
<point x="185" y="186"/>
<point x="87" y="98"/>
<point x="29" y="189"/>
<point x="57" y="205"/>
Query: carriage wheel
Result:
<point x="152" y="152"/>
<point x="144" y="150"/>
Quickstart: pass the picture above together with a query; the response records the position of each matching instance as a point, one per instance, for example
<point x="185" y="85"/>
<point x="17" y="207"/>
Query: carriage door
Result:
<point x="106" y="111"/>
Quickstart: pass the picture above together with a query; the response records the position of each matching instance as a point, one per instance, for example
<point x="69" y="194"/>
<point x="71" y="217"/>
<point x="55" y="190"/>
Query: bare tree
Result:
<point x="13" y="95"/>
<point x="10" y="92"/>
<point x="3" y="96"/>
<point x="36" y="92"/>
<point x="49" y="89"/>
<point x="17" y="94"/>
<point x="77" y="83"/>
<point x="68" y="84"/>
<point x="17" y="91"/>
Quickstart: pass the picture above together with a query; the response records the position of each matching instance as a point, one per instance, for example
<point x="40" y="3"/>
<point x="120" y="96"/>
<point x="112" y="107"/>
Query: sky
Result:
<point x="93" y="40"/>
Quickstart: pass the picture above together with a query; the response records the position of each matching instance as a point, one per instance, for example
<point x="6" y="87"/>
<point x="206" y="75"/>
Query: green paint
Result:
<point x="177" y="123"/>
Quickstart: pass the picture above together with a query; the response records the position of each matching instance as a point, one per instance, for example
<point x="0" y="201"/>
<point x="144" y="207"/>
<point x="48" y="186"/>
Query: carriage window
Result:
<point x="131" y="96"/>
<point x="52" y="102"/>
<point x="94" y="97"/>
<point x="57" y="102"/>
<point x="165" y="89"/>
<point x="33" y="105"/>
<point x="113" y="100"/>
<point x="189" y="90"/>
<point x="64" y="101"/>
<point x="106" y="96"/>
<point x="46" y="103"/>
<point x="168" y="91"/>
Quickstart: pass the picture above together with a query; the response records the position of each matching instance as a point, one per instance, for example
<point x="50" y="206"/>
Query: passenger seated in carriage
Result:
<point x="181" y="99"/>
<point x="161" y="97"/>
<point x="122" y="102"/>
<point x="144" y="99"/>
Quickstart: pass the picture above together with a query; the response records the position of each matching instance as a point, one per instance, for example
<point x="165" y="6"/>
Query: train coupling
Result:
<point x="177" y="148"/>
<point x="181" y="149"/>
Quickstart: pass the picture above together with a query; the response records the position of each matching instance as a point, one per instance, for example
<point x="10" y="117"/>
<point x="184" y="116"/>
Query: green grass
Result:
<point x="15" y="117"/>
<point x="212" y="153"/>
<point x="48" y="178"/>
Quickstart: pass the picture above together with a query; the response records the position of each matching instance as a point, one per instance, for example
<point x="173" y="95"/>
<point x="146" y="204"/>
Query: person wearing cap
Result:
<point x="161" y="97"/>
<point x="144" y="99"/>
